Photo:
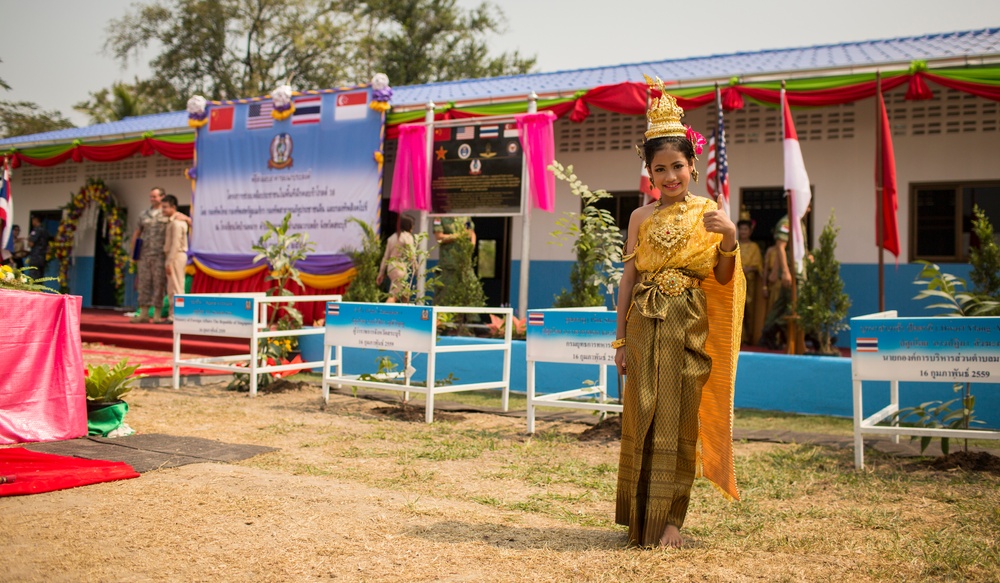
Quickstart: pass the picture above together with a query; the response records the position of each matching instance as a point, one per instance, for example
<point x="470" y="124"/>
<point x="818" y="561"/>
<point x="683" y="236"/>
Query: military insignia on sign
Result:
<point x="475" y="168"/>
<point x="281" y="152"/>
<point x="464" y="151"/>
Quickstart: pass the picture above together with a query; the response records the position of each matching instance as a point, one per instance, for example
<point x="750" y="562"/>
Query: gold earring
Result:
<point x="694" y="174"/>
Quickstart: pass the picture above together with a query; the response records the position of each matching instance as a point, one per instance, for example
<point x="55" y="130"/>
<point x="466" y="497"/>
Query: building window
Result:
<point x="767" y="206"/>
<point x="621" y="205"/>
<point x="941" y="219"/>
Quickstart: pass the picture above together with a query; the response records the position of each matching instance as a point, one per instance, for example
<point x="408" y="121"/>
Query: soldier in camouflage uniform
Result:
<point x="152" y="269"/>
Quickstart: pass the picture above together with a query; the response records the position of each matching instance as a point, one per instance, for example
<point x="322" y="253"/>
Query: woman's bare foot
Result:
<point x="671" y="537"/>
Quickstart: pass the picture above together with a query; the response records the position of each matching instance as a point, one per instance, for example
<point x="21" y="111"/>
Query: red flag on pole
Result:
<point x="889" y="202"/>
<point x="646" y="186"/>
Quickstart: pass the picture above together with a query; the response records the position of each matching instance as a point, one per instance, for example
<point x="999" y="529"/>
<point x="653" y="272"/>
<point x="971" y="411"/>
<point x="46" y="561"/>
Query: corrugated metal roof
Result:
<point x="966" y="44"/>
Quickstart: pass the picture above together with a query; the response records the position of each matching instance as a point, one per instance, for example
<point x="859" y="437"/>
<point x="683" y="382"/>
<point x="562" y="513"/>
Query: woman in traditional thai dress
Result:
<point x="680" y="315"/>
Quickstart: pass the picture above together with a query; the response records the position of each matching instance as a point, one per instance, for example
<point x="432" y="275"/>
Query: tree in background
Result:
<point x="128" y="100"/>
<point x="822" y="303"/>
<point x="367" y="261"/>
<point x="225" y="49"/>
<point x="22" y="118"/>
<point x="985" y="258"/>
<point x="597" y="241"/>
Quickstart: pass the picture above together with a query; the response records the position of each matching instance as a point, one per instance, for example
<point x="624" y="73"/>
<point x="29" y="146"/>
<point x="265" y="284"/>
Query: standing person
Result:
<point x="17" y="246"/>
<point x="152" y="269"/>
<point x="398" y="262"/>
<point x="175" y="247"/>
<point x="781" y="306"/>
<point x="38" y="248"/>
<point x="682" y="259"/>
<point x="753" y="267"/>
<point x="456" y="238"/>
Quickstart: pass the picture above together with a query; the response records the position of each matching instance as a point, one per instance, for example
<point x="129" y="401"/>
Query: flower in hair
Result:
<point x="697" y="140"/>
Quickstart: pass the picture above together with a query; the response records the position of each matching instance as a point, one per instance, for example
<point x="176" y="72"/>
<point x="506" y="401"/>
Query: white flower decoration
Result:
<point x="196" y="105"/>
<point x="380" y="81"/>
<point x="7" y="275"/>
<point x="282" y="96"/>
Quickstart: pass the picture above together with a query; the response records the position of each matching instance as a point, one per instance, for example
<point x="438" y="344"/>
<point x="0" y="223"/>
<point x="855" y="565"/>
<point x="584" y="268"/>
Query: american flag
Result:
<point x="717" y="169"/>
<point x="259" y="115"/>
<point x="6" y="206"/>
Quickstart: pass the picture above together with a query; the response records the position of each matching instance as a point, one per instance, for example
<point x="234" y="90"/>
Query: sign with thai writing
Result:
<point x="926" y="349"/>
<point x="214" y="315"/>
<point x="381" y="326"/>
<point x="571" y="336"/>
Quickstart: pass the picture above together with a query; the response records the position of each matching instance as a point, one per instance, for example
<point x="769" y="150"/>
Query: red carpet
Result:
<point x="35" y="472"/>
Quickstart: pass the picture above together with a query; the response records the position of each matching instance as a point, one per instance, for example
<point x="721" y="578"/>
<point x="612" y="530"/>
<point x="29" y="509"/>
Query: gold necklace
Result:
<point x="665" y="232"/>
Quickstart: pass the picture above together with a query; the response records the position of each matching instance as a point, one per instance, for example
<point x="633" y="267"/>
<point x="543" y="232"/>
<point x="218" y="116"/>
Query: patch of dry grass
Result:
<point x="355" y="495"/>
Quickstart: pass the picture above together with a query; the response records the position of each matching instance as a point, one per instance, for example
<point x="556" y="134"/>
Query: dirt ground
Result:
<point x="359" y="493"/>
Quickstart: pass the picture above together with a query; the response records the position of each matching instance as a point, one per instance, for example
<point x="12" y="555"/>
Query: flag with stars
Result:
<point x="717" y="169"/>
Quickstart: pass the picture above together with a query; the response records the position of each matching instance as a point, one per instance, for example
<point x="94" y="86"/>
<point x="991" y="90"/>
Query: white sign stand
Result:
<point x="218" y="323"/>
<point x="333" y="358"/>
<point x="918" y="360"/>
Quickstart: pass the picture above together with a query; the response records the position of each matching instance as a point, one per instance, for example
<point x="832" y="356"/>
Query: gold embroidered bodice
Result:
<point x="674" y="237"/>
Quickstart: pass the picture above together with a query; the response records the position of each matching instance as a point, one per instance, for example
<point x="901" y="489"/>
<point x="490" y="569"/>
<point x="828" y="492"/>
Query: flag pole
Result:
<point x="795" y="346"/>
<point x="718" y="106"/>
<point x="879" y="194"/>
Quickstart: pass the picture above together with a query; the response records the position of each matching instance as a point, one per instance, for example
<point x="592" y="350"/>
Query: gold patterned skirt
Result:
<point x="666" y="367"/>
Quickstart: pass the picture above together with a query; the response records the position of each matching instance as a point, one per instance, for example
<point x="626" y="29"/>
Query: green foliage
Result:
<point x="416" y="256"/>
<point x="458" y="284"/>
<point x="596" y="240"/>
<point x="938" y="415"/>
<point x="367" y="260"/>
<point x="281" y="254"/>
<point x="225" y="49"/>
<point x="21" y="118"/>
<point x="945" y="286"/>
<point x="14" y="278"/>
<point x="985" y="259"/>
<point x="822" y="303"/>
<point x="123" y="100"/>
<point x="107" y="385"/>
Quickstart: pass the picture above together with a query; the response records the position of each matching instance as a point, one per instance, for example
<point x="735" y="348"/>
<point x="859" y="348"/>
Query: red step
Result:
<point x="111" y="327"/>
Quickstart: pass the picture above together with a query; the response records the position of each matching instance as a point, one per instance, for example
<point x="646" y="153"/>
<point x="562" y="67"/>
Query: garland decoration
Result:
<point x="381" y="93"/>
<point x="197" y="113"/>
<point x="61" y="248"/>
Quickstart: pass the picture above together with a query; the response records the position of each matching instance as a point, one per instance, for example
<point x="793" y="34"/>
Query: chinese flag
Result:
<point x="442" y="134"/>
<point x="220" y="119"/>
<point x="889" y="202"/>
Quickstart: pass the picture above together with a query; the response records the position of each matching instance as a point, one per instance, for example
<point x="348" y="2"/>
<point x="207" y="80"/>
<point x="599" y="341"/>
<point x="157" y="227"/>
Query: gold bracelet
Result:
<point x="618" y="342"/>
<point x="728" y="253"/>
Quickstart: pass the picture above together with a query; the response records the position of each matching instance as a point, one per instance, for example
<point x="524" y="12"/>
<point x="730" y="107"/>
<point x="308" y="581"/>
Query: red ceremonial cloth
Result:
<point x="34" y="472"/>
<point x="311" y="311"/>
<point x="42" y="395"/>
<point x="889" y="202"/>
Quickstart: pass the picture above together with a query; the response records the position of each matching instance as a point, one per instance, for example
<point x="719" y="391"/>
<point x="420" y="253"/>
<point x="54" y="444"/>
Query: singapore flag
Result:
<point x="351" y="106"/>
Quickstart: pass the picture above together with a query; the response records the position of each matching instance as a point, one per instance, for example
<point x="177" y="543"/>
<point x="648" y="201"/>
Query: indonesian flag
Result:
<point x="796" y="184"/>
<point x="6" y="207"/>
<point x="646" y="186"/>
<point x="889" y="202"/>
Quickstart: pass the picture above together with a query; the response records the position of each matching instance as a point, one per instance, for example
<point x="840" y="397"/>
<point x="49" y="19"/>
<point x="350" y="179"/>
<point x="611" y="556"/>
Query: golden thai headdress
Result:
<point x="664" y="117"/>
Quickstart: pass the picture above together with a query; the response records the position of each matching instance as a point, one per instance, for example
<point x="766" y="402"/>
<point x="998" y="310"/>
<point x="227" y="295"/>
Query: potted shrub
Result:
<point x="105" y="408"/>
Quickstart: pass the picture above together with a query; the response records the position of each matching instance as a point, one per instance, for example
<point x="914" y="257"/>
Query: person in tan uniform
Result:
<point x="753" y="267"/>
<point x="175" y="247"/>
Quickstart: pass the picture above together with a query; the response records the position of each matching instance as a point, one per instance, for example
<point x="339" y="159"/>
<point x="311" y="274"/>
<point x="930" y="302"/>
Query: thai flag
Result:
<point x="489" y="132"/>
<point x="536" y="318"/>
<point x="6" y="206"/>
<point x="866" y="344"/>
<point x="307" y="110"/>
<point x="333" y="309"/>
<point x="259" y="115"/>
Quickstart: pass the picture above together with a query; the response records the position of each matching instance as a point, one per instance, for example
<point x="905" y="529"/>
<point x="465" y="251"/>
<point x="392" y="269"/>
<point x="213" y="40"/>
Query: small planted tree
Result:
<point x="985" y="259"/>
<point x="458" y="284"/>
<point x="367" y="261"/>
<point x="597" y="242"/>
<point x="822" y="303"/>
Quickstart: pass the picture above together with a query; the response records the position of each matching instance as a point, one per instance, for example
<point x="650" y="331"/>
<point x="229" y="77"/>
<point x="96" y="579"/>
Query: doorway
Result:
<point x="493" y="258"/>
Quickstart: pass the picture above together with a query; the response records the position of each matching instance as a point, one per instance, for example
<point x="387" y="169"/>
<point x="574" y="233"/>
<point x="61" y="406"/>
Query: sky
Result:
<point x="51" y="50"/>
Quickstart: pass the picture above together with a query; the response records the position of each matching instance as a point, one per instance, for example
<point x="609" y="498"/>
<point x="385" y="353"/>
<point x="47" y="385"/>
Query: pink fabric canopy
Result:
<point x="410" y="187"/>
<point x="538" y="141"/>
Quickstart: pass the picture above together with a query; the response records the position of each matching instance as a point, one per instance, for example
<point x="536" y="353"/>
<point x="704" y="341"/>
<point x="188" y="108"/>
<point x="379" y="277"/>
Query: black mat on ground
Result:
<point x="152" y="451"/>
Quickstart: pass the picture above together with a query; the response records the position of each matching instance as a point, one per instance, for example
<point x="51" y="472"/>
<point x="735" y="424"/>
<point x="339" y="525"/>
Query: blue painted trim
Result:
<point x="813" y="385"/>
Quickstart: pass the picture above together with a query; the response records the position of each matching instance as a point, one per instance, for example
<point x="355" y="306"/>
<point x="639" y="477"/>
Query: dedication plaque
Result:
<point x="476" y="170"/>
